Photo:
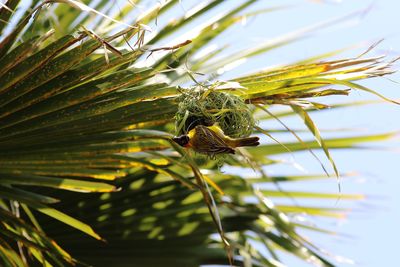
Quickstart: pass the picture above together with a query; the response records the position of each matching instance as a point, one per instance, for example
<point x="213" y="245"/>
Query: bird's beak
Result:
<point x="181" y="140"/>
<point x="178" y="140"/>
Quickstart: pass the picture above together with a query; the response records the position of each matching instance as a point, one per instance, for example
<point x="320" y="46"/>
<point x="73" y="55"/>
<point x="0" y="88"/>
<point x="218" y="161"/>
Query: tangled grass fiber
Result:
<point x="206" y="106"/>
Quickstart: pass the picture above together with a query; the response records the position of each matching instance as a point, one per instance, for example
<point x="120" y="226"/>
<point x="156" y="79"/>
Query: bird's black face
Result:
<point x="182" y="140"/>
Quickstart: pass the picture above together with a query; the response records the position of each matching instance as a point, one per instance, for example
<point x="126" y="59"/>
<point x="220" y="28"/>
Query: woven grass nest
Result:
<point x="207" y="106"/>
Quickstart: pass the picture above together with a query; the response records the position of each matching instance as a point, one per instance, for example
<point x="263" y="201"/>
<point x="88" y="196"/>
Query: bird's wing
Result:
<point x="206" y="141"/>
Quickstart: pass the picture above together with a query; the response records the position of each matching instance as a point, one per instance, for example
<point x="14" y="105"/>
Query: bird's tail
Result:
<point x="248" y="141"/>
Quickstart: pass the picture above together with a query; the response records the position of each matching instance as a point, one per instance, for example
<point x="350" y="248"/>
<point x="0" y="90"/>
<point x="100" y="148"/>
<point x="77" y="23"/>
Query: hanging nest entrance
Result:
<point x="202" y="106"/>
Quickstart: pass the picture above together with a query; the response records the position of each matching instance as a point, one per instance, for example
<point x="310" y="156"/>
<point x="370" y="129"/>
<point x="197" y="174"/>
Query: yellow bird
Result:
<point x="211" y="140"/>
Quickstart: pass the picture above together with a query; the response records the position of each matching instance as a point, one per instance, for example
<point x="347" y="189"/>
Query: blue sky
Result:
<point x="370" y="233"/>
<point x="373" y="226"/>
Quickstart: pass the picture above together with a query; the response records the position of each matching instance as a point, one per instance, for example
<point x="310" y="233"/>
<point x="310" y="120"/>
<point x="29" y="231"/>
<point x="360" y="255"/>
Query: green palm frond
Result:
<point x="88" y="97"/>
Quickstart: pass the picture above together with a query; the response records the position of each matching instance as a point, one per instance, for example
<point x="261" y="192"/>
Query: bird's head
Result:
<point x="182" y="140"/>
